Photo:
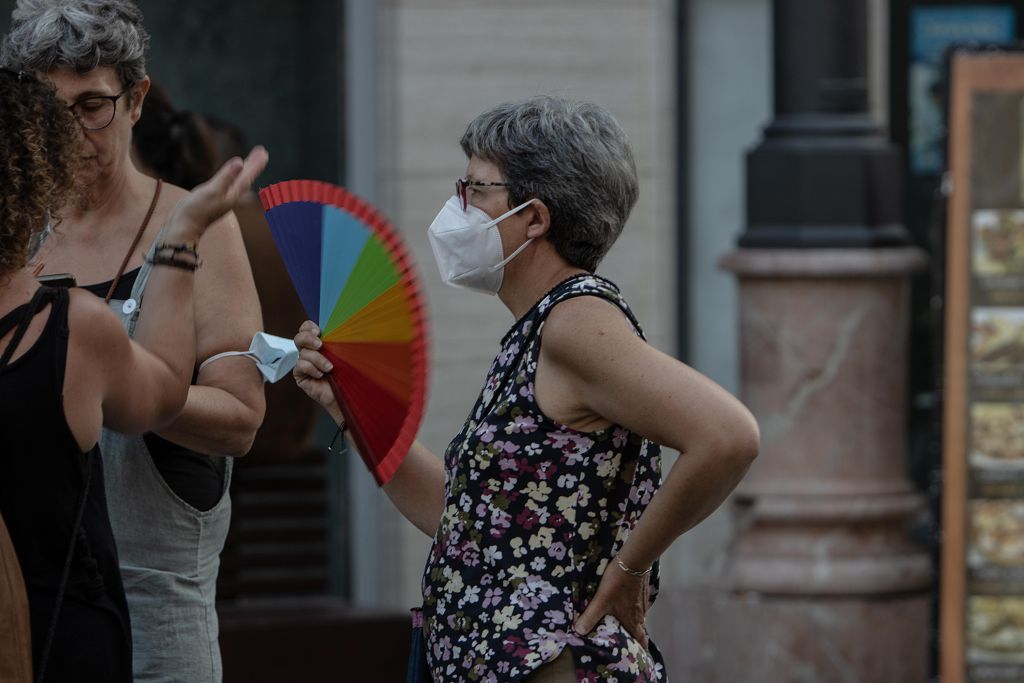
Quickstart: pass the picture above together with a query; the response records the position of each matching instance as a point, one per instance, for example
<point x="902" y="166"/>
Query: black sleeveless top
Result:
<point x="194" y="477"/>
<point x="46" y="482"/>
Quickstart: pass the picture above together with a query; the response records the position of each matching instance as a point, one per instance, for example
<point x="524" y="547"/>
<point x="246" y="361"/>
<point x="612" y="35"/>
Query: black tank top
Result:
<point x="194" y="477"/>
<point x="43" y="477"/>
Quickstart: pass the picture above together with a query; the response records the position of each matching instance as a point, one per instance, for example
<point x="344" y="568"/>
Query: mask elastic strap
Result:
<point x="508" y="213"/>
<point x="524" y="245"/>
<point x="226" y="354"/>
<point x="511" y="256"/>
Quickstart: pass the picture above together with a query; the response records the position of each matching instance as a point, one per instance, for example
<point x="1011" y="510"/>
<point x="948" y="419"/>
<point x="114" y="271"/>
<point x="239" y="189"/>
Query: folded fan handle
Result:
<point x="354" y="431"/>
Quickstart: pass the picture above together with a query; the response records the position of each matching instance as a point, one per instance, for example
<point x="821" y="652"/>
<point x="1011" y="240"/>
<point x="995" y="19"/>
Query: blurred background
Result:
<point x="788" y="243"/>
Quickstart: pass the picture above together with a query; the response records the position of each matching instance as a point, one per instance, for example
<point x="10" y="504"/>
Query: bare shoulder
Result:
<point x="587" y="328"/>
<point x="171" y="193"/>
<point x="92" y="322"/>
<point x="579" y="324"/>
<point x="222" y="243"/>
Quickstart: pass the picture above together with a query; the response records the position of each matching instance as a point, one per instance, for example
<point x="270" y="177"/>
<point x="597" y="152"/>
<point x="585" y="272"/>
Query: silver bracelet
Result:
<point x="633" y="572"/>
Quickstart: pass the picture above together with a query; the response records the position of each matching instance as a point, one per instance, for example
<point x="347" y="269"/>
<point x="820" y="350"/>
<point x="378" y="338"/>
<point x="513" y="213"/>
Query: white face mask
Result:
<point x="467" y="246"/>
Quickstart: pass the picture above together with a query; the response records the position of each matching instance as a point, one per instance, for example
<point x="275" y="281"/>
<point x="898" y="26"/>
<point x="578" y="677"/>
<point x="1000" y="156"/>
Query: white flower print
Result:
<point x="492" y="555"/>
<point x="539" y="491"/>
<point x="471" y="595"/>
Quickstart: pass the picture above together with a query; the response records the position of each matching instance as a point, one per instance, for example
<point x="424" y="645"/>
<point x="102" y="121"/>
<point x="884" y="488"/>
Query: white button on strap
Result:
<point x="129" y="306"/>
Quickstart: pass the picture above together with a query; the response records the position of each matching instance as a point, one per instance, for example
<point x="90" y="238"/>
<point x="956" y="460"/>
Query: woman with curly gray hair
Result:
<point x="167" y="491"/>
<point x="548" y="512"/>
<point x="67" y="369"/>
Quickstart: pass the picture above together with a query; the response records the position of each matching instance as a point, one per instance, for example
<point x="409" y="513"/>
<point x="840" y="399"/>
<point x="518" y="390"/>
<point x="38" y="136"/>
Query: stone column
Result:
<point x="823" y="582"/>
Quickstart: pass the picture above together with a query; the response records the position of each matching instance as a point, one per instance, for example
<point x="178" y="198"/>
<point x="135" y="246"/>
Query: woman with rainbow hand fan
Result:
<point x="548" y="511"/>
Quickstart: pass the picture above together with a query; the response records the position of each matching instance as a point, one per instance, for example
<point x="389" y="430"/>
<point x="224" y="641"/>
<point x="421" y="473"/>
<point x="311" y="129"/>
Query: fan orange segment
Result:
<point x="385" y="319"/>
<point x="389" y="365"/>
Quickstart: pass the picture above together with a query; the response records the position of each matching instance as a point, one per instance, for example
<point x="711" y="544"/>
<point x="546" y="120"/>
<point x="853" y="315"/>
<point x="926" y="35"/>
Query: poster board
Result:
<point x="932" y="29"/>
<point x="982" y="582"/>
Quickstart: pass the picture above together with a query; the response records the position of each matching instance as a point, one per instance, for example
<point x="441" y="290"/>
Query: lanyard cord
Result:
<point x="135" y="242"/>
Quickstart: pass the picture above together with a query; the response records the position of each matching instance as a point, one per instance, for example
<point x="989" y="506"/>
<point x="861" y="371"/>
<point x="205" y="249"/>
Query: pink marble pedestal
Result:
<point x="822" y="563"/>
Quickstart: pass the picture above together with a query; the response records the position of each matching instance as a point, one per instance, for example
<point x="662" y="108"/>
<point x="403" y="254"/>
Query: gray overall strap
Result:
<point x="129" y="309"/>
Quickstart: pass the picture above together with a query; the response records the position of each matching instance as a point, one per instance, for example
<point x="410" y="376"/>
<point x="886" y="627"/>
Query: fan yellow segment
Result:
<point x="385" y="319"/>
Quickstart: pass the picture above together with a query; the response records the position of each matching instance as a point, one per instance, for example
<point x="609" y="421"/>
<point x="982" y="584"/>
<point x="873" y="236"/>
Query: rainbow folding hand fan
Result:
<point x="355" y="280"/>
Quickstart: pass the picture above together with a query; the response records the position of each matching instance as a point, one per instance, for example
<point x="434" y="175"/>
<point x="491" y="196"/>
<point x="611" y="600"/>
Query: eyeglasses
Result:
<point x="462" y="184"/>
<point x="97" y="112"/>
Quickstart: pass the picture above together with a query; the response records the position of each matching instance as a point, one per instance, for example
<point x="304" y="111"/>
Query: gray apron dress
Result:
<point x="169" y="551"/>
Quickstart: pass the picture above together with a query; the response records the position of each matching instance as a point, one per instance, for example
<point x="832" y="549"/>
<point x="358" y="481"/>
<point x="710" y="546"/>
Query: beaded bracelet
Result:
<point x="633" y="572"/>
<point x="174" y="262"/>
<point x="190" y="248"/>
<point x="165" y="254"/>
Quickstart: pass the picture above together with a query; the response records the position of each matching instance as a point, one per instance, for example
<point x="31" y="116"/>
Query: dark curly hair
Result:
<point x="38" y="160"/>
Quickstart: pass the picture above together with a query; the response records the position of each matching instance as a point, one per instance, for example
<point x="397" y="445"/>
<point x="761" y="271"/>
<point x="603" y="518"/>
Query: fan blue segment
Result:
<point x="296" y="227"/>
<point x="343" y="239"/>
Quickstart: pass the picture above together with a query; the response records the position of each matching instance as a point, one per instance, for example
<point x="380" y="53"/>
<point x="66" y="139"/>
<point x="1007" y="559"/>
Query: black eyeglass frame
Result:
<point x="111" y="98"/>
<point x="462" y="184"/>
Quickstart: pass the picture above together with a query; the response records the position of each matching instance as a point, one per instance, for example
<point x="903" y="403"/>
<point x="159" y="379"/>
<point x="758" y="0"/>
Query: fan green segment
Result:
<point x="372" y="275"/>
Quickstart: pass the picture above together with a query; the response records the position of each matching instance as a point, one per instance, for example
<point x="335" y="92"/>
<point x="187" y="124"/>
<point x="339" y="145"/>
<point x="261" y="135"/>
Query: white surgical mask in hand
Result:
<point x="467" y="246"/>
<point x="274" y="356"/>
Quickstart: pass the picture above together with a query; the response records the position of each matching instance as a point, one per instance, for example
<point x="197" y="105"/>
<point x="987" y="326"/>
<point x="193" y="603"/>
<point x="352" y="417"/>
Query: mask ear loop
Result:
<point x="511" y="256"/>
<point x="508" y="213"/>
<point x="524" y="245"/>
<point x="226" y="354"/>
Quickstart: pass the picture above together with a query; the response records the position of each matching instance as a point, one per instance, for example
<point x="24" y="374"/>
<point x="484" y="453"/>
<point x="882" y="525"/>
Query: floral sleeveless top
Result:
<point x="534" y="513"/>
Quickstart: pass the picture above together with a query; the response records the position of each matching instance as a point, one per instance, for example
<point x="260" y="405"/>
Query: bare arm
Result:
<point x="225" y="406"/>
<point x="144" y="383"/>
<point x="137" y="389"/>
<point x="417" y="488"/>
<point x="630" y="383"/>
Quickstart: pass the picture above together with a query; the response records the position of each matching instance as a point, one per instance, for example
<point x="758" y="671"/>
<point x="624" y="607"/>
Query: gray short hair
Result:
<point x="573" y="156"/>
<point x="77" y="34"/>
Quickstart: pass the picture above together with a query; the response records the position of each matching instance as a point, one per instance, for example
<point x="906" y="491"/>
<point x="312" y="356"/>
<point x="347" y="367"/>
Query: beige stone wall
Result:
<point x="441" y="62"/>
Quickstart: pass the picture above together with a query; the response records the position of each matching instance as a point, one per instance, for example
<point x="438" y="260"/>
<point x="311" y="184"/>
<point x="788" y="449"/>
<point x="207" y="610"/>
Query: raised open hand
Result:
<point x="214" y="198"/>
